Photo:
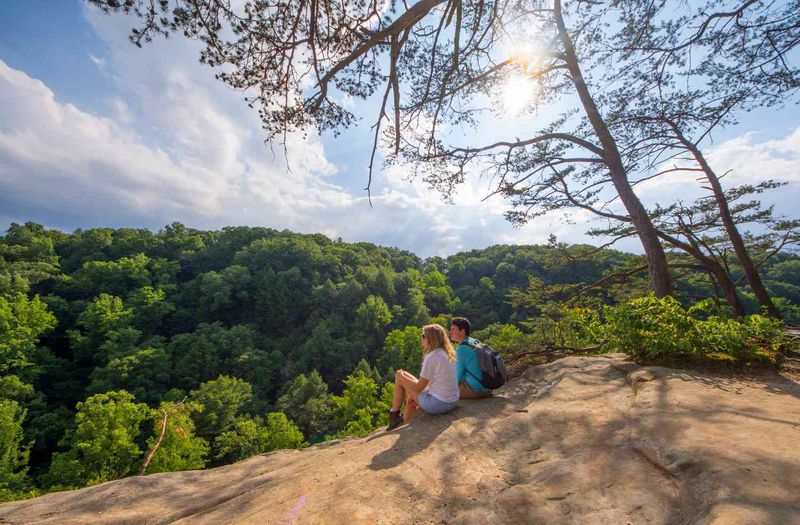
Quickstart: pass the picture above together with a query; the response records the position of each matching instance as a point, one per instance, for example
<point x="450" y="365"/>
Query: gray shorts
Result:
<point x="432" y="405"/>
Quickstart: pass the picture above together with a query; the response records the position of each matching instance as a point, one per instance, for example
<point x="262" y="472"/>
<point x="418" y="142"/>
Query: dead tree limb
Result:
<point x="551" y="349"/>
<point x="157" y="444"/>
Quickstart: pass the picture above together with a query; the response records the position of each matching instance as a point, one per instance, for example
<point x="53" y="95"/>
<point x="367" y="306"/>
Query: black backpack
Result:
<point x="493" y="370"/>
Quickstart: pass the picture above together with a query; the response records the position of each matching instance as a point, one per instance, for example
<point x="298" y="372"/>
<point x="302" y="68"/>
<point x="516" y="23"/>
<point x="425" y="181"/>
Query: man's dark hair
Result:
<point x="462" y="323"/>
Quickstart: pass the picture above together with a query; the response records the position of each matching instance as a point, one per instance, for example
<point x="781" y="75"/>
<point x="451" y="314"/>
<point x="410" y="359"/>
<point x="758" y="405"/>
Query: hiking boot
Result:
<point x="395" y="420"/>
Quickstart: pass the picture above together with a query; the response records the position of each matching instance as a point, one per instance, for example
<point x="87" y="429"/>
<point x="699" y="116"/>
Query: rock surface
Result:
<point x="580" y="440"/>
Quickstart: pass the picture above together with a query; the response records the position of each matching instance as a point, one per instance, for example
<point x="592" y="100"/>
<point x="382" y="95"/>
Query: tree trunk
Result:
<point x="728" y="288"/>
<point x="714" y="268"/>
<point x="661" y="280"/>
<point x="750" y="270"/>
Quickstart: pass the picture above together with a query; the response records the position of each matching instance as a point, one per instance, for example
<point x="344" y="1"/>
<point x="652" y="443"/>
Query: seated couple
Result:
<point x="446" y="374"/>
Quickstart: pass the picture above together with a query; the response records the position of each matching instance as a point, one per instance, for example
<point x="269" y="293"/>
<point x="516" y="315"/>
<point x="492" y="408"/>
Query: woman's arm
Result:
<point x="410" y="382"/>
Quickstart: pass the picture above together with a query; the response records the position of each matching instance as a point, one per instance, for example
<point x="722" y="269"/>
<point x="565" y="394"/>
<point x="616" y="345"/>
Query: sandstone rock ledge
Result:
<point x="580" y="440"/>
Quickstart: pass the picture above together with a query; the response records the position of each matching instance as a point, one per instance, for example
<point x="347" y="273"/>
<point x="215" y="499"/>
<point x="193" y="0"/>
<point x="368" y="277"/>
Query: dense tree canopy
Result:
<point x="13" y="451"/>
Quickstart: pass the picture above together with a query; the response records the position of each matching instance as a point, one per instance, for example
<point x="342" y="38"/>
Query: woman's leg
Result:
<point x="412" y="388"/>
<point x="405" y="385"/>
<point x="398" y="395"/>
<point x="411" y="409"/>
<point x="408" y="381"/>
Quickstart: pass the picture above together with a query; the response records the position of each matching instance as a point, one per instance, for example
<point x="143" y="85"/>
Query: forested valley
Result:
<point x="124" y="351"/>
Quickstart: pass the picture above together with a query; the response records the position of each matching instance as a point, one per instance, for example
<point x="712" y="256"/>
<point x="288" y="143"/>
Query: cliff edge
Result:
<point x="581" y="440"/>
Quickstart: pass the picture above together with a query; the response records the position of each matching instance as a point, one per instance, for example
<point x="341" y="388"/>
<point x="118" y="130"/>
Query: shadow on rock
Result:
<point x="424" y="430"/>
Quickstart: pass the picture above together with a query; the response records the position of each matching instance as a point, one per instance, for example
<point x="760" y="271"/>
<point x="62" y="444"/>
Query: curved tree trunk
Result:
<point x="728" y="288"/>
<point x="713" y="267"/>
<point x="657" y="265"/>
<point x="750" y="270"/>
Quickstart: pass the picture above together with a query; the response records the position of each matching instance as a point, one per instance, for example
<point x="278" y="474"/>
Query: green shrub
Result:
<point x="748" y="338"/>
<point x="660" y="328"/>
<point x="579" y="327"/>
<point x="250" y="436"/>
<point x="651" y="327"/>
<point x="765" y="331"/>
<point x="710" y="307"/>
<point x="585" y="325"/>
<point x="724" y="336"/>
<point x="505" y="338"/>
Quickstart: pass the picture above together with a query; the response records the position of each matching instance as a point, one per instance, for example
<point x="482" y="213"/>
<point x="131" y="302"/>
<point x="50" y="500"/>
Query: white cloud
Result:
<point x="119" y="108"/>
<point x="58" y="157"/>
<point x="99" y="62"/>
<point x="753" y="161"/>
<point x="63" y="166"/>
<point x="746" y="161"/>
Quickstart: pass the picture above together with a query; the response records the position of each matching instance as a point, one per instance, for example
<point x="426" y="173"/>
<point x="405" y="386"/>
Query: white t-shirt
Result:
<point x="441" y="374"/>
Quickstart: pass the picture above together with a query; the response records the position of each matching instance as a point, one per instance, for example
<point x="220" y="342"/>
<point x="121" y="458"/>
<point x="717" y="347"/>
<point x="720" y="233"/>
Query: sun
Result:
<point x="519" y="92"/>
<point x="520" y="88"/>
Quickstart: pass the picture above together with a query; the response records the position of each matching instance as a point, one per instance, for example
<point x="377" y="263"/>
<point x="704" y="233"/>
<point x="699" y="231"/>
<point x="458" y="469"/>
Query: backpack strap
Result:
<point x="476" y="357"/>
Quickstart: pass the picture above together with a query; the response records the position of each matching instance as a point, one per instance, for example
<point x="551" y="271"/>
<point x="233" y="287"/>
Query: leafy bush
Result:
<point x="251" y="436"/>
<point x="710" y="307"/>
<point x="651" y="327"/>
<point x="724" y="336"/>
<point x="179" y="448"/>
<point x="584" y="324"/>
<point x="363" y="405"/>
<point x="660" y="328"/>
<point x="764" y="330"/>
<point x="579" y="327"/>
<point x="747" y="338"/>
<point x="505" y="338"/>
<point x="103" y="445"/>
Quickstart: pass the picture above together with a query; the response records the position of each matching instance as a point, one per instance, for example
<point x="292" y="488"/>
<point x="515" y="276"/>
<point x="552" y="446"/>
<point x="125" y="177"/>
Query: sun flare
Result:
<point x="518" y="93"/>
<point x="520" y="88"/>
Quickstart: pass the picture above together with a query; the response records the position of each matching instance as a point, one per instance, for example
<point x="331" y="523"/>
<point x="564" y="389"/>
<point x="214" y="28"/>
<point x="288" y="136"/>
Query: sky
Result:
<point x="95" y="132"/>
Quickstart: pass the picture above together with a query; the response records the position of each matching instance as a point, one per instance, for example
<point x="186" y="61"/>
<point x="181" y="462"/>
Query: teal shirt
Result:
<point x="467" y="367"/>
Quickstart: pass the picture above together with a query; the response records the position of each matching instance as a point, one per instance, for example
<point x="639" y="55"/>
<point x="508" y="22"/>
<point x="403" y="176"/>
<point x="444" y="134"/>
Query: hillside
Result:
<point x="290" y="337"/>
<point x="580" y="440"/>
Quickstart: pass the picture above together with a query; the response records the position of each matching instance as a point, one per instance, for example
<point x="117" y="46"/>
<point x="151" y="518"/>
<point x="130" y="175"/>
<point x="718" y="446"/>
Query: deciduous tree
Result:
<point x="102" y="446"/>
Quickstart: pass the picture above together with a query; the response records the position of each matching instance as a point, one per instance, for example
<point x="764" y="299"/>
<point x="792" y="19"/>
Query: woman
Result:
<point x="436" y="390"/>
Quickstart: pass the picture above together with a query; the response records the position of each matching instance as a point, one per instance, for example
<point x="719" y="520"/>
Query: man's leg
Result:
<point x="465" y="392"/>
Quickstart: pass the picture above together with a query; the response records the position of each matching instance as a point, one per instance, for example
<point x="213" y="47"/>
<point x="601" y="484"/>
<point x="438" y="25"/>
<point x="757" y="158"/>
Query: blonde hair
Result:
<point x="436" y="337"/>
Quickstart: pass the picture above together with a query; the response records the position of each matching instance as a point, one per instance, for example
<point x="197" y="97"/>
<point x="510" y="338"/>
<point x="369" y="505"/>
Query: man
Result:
<point x="468" y="369"/>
